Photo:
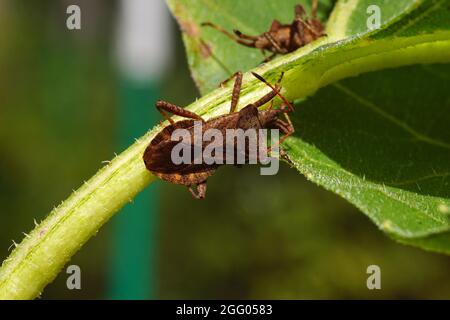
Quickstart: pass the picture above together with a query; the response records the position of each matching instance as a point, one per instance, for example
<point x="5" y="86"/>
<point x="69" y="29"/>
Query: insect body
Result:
<point x="281" y="38"/>
<point x="157" y="156"/>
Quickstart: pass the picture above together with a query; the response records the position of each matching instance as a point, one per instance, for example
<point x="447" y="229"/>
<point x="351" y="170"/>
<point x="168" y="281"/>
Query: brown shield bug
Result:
<point x="281" y="38"/>
<point x="158" y="155"/>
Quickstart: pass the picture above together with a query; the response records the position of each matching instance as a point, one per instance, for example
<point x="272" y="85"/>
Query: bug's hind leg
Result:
<point x="236" y="89"/>
<point x="236" y="92"/>
<point x="234" y="75"/>
<point x="274" y="43"/>
<point x="297" y="29"/>
<point x="201" y="190"/>
<point x="164" y="106"/>
<point x="236" y="38"/>
<point x="268" y="58"/>
<point x="244" y="36"/>
<point x="286" y="128"/>
<point x="299" y="11"/>
<point x="275" y="92"/>
<point x="284" y="155"/>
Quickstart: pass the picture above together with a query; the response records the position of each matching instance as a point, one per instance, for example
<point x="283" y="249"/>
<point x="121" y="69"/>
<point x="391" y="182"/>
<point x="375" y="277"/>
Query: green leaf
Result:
<point x="380" y="140"/>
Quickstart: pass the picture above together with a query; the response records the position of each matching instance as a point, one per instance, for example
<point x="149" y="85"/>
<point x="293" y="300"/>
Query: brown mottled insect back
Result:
<point x="281" y="38"/>
<point x="157" y="156"/>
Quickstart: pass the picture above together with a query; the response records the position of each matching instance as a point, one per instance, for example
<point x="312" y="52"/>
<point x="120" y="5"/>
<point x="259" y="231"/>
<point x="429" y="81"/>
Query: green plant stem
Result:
<point x="44" y="252"/>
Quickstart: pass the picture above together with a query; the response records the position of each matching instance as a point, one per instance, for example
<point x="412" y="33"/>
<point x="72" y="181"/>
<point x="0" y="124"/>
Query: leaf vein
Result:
<point x="234" y="21"/>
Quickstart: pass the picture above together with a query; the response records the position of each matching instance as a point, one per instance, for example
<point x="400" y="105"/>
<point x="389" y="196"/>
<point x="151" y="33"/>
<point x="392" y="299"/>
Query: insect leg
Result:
<point x="275" y="26"/>
<point x="314" y="32"/>
<point x="266" y="98"/>
<point x="229" y="78"/>
<point x="271" y="95"/>
<point x="274" y="43"/>
<point x="288" y="120"/>
<point x="286" y="128"/>
<point x="300" y="22"/>
<point x="201" y="190"/>
<point x="267" y="59"/>
<point x="283" y="126"/>
<point x="297" y="27"/>
<point x="236" y="92"/>
<point x="236" y="89"/>
<point x="263" y="52"/>
<point x="229" y="35"/>
<point x="286" y="109"/>
<point x="312" y="24"/>
<point x="284" y="155"/>
<point x="163" y="106"/>
<point x="299" y="11"/>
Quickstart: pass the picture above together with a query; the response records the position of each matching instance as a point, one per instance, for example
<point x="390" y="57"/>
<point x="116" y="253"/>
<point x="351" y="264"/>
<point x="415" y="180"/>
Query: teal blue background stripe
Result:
<point x="133" y="246"/>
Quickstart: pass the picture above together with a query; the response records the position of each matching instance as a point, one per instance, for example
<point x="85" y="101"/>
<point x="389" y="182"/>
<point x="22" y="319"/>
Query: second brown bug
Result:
<point x="281" y="38"/>
<point x="157" y="156"/>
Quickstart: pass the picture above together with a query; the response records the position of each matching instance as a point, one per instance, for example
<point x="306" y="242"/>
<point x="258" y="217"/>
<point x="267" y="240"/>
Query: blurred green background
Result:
<point x="253" y="237"/>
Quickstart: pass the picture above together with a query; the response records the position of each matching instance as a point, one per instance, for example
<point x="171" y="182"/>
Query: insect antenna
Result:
<point x="275" y="89"/>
